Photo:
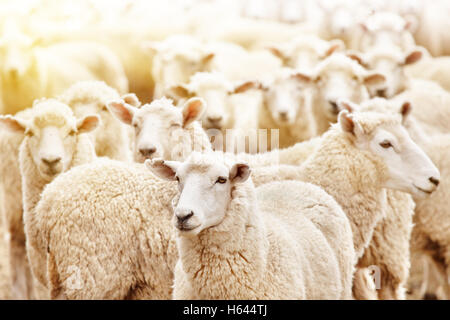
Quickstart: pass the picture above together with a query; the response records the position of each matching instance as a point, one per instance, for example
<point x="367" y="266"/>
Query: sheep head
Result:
<point x="338" y="77"/>
<point x="382" y="137"/>
<point x="161" y="129"/>
<point x="51" y="135"/>
<point x="391" y="64"/>
<point x="205" y="182"/>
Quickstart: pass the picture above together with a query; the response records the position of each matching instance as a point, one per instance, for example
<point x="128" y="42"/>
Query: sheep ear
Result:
<point x="164" y="169"/>
<point x="208" y="57"/>
<point x="405" y="110"/>
<point x="131" y="99"/>
<point x="239" y="173"/>
<point x="303" y="77"/>
<point x="358" y="57"/>
<point x="277" y="52"/>
<point x="14" y="124"/>
<point x="374" y="79"/>
<point x="413" y="57"/>
<point x="247" y="85"/>
<point x="121" y="110"/>
<point x="335" y="45"/>
<point x="88" y="123"/>
<point x="344" y="104"/>
<point x="193" y="110"/>
<point x="177" y="92"/>
<point x="346" y="122"/>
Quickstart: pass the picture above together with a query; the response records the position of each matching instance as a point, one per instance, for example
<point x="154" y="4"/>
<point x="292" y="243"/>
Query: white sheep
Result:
<point x="236" y="242"/>
<point x="383" y="29"/>
<point x="30" y="71"/>
<point x="287" y="105"/>
<point x="305" y="51"/>
<point x="111" y="138"/>
<point x="176" y="59"/>
<point x="163" y="130"/>
<point x="336" y="77"/>
<point x="51" y="145"/>
<point x="392" y="64"/>
<point x="389" y="248"/>
<point x="138" y="206"/>
<point x="11" y="193"/>
<point x="391" y="255"/>
<point x="432" y="68"/>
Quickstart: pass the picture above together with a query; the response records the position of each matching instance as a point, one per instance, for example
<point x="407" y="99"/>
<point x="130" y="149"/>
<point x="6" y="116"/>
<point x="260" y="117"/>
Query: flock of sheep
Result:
<point x="224" y="150"/>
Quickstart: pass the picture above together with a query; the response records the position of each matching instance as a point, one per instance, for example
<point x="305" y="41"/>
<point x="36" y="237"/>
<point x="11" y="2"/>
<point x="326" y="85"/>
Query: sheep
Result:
<point x="215" y="89"/>
<point x="434" y="69"/>
<point x="51" y="144"/>
<point x="392" y="235"/>
<point x="431" y="215"/>
<point x="11" y="193"/>
<point x="31" y="72"/>
<point x="391" y="254"/>
<point x="66" y="207"/>
<point x="384" y="29"/>
<point x="286" y="106"/>
<point x="335" y="77"/>
<point x="305" y="51"/>
<point x="391" y="63"/>
<point x="176" y="59"/>
<point x="111" y="137"/>
<point x="275" y="264"/>
<point x="161" y="129"/>
<point x="422" y="94"/>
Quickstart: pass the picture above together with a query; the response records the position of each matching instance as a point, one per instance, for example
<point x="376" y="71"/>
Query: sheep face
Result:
<point x="391" y="65"/>
<point x="51" y="135"/>
<point x="161" y="129"/>
<point x="285" y="99"/>
<point x="305" y="51"/>
<point x="205" y="183"/>
<point x="407" y="167"/>
<point x="219" y="114"/>
<point x="385" y="29"/>
<point x="334" y="84"/>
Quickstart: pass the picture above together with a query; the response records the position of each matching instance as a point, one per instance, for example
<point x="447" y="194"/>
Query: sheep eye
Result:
<point x="221" y="180"/>
<point x="29" y="133"/>
<point x="175" y="125"/>
<point x="386" y="144"/>
<point x="178" y="178"/>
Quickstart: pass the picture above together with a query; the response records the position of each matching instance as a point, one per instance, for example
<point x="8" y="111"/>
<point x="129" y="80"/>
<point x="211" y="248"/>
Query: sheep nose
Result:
<point x="147" y="152"/>
<point x="434" y="181"/>
<point x="381" y="93"/>
<point x="51" y="161"/>
<point x="283" y="115"/>
<point x="334" y="107"/>
<point x="214" y="118"/>
<point x="184" y="217"/>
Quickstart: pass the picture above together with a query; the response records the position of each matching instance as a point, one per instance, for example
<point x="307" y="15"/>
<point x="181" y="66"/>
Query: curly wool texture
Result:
<point x="5" y="273"/>
<point x="121" y="242"/>
<point x="432" y="213"/>
<point x="249" y="255"/>
<point x="111" y="138"/>
<point x="11" y="213"/>
<point x="430" y="105"/>
<point x="391" y="246"/>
